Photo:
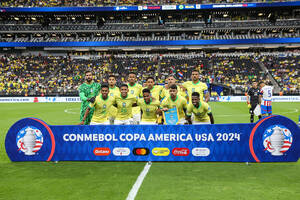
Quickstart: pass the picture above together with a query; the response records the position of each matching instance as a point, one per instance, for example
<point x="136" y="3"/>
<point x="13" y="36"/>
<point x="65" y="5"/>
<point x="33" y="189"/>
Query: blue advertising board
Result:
<point x="148" y="7"/>
<point x="151" y="43"/>
<point x="272" y="139"/>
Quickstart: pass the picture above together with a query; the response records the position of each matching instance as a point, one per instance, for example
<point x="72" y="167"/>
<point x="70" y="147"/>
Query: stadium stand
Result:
<point x="81" y="3"/>
<point x="61" y="75"/>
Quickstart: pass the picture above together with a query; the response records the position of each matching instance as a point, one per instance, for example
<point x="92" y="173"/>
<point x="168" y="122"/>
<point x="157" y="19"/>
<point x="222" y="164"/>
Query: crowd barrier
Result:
<point x="77" y="99"/>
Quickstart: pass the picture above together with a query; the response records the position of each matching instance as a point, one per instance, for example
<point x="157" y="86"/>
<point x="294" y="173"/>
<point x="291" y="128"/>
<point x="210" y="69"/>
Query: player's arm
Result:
<point x="207" y="96"/>
<point x="188" y="116"/>
<point x="164" y="105"/>
<point x="260" y="97"/>
<point x="206" y="93"/>
<point x="85" y="116"/>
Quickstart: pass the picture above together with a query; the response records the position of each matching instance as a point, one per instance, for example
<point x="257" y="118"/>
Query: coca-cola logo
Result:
<point x="180" y="151"/>
<point x="101" y="151"/>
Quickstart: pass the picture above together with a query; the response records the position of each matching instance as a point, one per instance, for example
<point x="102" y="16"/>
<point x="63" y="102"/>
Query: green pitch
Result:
<point x="113" y="180"/>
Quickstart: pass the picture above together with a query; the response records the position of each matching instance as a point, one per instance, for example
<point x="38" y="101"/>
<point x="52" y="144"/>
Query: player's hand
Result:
<point x="92" y="99"/>
<point x="81" y="123"/>
<point x="165" y="109"/>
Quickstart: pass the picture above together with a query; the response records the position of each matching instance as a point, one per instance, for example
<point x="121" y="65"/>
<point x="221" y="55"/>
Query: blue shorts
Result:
<point x="266" y="109"/>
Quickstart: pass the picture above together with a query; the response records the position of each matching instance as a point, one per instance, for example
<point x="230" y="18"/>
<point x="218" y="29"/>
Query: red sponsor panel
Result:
<point x="180" y="151"/>
<point x="101" y="151"/>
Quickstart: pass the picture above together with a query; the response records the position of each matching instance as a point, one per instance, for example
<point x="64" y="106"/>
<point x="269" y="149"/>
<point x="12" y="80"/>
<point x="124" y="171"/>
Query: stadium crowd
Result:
<point x="82" y="3"/>
<point x="61" y="75"/>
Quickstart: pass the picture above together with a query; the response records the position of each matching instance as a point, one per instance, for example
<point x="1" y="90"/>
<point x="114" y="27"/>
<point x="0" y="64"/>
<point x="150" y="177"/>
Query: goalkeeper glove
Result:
<point x="92" y="99"/>
<point x="249" y="105"/>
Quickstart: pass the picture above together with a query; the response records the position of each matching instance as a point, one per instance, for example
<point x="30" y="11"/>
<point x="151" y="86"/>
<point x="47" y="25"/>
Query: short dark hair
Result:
<point x="260" y="82"/>
<point x="88" y="71"/>
<point x="112" y="76"/>
<point x="123" y="85"/>
<point x="194" y="70"/>
<point x="173" y="87"/>
<point x="104" y="85"/>
<point x="150" y="78"/>
<point x="146" y="90"/>
<point x="131" y="73"/>
<point x="196" y="94"/>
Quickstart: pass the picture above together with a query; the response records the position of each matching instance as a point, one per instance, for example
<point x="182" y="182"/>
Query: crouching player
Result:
<point x="102" y="104"/>
<point x="177" y="101"/>
<point x="149" y="108"/>
<point x="201" y="110"/>
<point x="124" y="104"/>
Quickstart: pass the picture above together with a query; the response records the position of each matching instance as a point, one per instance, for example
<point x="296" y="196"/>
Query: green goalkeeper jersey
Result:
<point x="87" y="91"/>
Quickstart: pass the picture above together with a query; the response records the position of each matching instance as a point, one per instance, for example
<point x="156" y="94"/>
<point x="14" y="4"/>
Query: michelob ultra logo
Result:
<point x="160" y="151"/>
<point x="197" y="151"/>
<point x="102" y="151"/>
<point x="140" y="151"/>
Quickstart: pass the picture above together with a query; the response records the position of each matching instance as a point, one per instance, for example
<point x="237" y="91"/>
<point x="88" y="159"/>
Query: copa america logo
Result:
<point x="29" y="140"/>
<point x="277" y="139"/>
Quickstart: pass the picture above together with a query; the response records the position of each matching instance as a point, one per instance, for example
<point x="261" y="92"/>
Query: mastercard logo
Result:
<point x="140" y="151"/>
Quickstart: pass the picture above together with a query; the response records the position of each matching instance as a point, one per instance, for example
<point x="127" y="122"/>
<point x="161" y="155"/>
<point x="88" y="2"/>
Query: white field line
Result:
<point x="135" y="188"/>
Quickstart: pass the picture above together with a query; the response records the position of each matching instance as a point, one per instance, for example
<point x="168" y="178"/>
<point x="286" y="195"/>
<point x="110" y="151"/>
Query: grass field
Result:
<point x="166" y="181"/>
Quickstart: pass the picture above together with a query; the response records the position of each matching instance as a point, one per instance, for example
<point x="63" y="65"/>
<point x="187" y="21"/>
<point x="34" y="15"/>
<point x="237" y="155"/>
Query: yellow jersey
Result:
<point x="113" y="92"/>
<point x="135" y="90"/>
<point x="166" y="92"/>
<point x="180" y="103"/>
<point x="156" y="92"/>
<point x="200" y="113"/>
<point x="124" y="106"/>
<point x="149" y="110"/>
<point x="199" y="87"/>
<point x="101" y="108"/>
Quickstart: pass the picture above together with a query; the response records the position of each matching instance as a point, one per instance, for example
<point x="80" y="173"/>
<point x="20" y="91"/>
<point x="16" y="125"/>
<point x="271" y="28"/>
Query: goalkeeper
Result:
<point x="88" y="92"/>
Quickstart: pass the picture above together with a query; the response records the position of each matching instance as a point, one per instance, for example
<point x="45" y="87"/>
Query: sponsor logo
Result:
<point x="180" y="151"/>
<point x="101" y="151"/>
<point x="200" y="152"/>
<point x="140" y="151"/>
<point x="153" y="7"/>
<point x="277" y="139"/>
<point x="180" y="7"/>
<point x="140" y="7"/>
<point x="119" y="151"/>
<point x="198" y="6"/>
<point x="29" y="140"/>
<point x="189" y="7"/>
<point x="160" y="151"/>
<point x="168" y="7"/>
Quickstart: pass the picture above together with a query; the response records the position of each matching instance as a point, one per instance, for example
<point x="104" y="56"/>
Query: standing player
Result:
<point x="124" y="104"/>
<point x="88" y="92"/>
<point x="135" y="89"/>
<point x="252" y="100"/>
<point x="156" y="90"/>
<point x="102" y="104"/>
<point x="171" y="80"/>
<point x="201" y="110"/>
<point x="176" y="101"/>
<point x="113" y="92"/>
<point x="265" y="99"/>
<point x="149" y="108"/>
<point x="196" y="86"/>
